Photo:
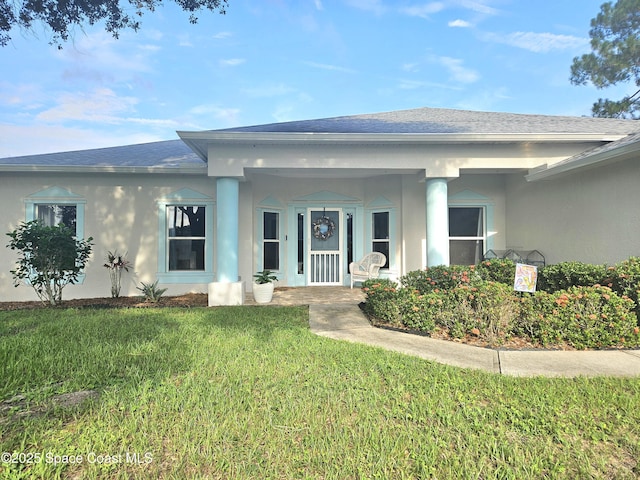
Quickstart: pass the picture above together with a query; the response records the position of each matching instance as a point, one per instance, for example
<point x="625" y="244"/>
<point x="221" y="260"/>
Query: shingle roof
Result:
<point x="609" y="147"/>
<point x="439" y="120"/>
<point x="166" y="154"/>
<point x="625" y="148"/>
<point x="175" y="154"/>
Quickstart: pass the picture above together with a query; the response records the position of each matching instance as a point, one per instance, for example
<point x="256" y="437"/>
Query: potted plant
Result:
<point x="263" y="286"/>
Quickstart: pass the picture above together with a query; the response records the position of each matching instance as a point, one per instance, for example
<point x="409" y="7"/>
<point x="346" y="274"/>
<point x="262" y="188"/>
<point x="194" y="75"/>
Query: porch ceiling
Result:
<point x="329" y="172"/>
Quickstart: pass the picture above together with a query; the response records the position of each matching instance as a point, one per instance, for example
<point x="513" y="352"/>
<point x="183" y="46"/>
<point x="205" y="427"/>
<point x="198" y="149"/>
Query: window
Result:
<point x="271" y="241"/>
<point x="381" y="238"/>
<point x="466" y="235"/>
<point x="52" y="215"/>
<point x="186" y="237"/>
<point x="56" y="205"/>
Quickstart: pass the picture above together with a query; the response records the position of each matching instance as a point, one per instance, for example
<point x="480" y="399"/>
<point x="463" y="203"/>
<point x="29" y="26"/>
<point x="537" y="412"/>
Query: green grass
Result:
<point x="250" y="392"/>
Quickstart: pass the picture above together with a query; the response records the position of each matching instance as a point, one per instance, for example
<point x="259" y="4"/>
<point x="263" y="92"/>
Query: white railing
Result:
<point x="325" y="268"/>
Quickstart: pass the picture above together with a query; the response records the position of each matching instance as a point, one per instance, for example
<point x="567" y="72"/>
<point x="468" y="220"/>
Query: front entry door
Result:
<point x="324" y="246"/>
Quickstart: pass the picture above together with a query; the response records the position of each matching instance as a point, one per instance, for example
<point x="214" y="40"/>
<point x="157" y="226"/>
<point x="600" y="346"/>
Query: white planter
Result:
<point x="263" y="292"/>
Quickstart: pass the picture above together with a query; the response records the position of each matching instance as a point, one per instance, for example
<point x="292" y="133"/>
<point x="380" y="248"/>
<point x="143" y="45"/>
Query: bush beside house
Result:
<point x="581" y="305"/>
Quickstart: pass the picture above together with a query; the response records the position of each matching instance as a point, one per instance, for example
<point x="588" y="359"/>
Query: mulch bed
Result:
<point x="188" y="300"/>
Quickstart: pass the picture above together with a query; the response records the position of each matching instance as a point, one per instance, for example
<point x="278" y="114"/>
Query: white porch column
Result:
<point x="437" y="222"/>
<point x="227" y="289"/>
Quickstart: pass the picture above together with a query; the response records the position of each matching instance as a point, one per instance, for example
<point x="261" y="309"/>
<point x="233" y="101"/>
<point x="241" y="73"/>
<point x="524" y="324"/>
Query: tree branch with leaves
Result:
<point x="615" y="58"/>
<point x="61" y="16"/>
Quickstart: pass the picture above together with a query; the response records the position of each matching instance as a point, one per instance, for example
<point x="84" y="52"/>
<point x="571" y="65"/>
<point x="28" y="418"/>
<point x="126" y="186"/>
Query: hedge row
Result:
<point x="480" y="300"/>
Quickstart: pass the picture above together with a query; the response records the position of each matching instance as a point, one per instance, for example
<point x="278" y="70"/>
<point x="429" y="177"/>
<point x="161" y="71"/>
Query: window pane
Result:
<point x="270" y="226"/>
<point x="381" y="225"/>
<point x="465" y="222"/>
<point x="53" y="215"/>
<point x="465" y="252"/>
<point x="349" y="239"/>
<point x="185" y="221"/>
<point x="301" y="251"/>
<point x="271" y="258"/>
<point x="186" y="254"/>
<point x="382" y="247"/>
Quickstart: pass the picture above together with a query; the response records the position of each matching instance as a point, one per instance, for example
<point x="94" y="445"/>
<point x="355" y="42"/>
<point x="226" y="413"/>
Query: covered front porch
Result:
<point x="290" y="296"/>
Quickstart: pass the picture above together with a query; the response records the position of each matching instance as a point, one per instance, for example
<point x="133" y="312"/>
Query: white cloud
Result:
<point x="423" y="11"/>
<point x="538" y="42"/>
<point x="232" y="62"/>
<point x="478" y="7"/>
<point x="459" y="23"/>
<point x="229" y="116"/>
<point x="35" y="139"/>
<point x="26" y="96"/>
<point x="457" y="71"/>
<point x="374" y="6"/>
<point x="410" y="67"/>
<point x="417" y="84"/>
<point x="101" y="52"/>
<point x="318" y="4"/>
<point x="100" y="105"/>
<point x="184" y="40"/>
<point x="484" y="100"/>
<point x="222" y="35"/>
<point x="268" y="91"/>
<point x="325" y="66"/>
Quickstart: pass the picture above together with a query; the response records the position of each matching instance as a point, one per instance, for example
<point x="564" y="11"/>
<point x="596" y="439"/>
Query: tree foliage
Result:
<point x="50" y="258"/>
<point x="615" y="57"/>
<point x="62" y="16"/>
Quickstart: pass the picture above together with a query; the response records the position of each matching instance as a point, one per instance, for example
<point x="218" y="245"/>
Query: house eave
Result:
<point x="104" y="169"/>
<point x="199" y="142"/>
<point x="597" y="159"/>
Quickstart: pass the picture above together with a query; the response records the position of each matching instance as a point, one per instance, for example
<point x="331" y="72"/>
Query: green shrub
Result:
<point x="502" y="270"/>
<point x="489" y="310"/>
<point x="418" y="311"/>
<point x="564" y="275"/>
<point x="586" y="317"/>
<point x="439" y="278"/>
<point x="624" y="278"/>
<point x="50" y="258"/>
<point x="382" y="300"/>
<point x="458" y="300"/>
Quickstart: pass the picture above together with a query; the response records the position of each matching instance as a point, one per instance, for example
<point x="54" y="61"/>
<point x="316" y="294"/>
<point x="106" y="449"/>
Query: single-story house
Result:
<point x="425" y="187"/>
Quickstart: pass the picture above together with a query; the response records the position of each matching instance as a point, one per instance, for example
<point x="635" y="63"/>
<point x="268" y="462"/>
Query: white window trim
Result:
<point x="484" y="225"/>
<point x="192" y="198"/>
<point x="260" y="236"/>
<point x="392" y="233"/>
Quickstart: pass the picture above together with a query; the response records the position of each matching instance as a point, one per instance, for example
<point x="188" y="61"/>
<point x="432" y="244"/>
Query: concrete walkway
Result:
<point x="345" y="321"/>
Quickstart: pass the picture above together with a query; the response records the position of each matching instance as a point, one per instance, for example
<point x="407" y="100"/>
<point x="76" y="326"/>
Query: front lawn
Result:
<point x="250" y="392"/>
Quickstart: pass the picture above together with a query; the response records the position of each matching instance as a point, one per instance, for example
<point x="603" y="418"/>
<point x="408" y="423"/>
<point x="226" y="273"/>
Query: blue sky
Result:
<point x="271" y="61"/>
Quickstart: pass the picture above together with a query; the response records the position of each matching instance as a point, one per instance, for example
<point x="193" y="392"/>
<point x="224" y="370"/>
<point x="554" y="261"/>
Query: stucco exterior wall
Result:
<point x="121" y="212"/>
<point x="589" y="216"/>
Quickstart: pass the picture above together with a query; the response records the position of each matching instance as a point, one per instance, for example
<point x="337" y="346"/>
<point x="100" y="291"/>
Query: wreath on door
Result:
<point x="323" y="228"/>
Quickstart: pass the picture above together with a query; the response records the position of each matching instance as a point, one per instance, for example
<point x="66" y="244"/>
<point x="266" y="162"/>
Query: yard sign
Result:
<point x="526" y="278"/>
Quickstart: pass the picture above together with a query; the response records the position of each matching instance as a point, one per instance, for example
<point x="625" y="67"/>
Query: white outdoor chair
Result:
<point x="368" y="267"/>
